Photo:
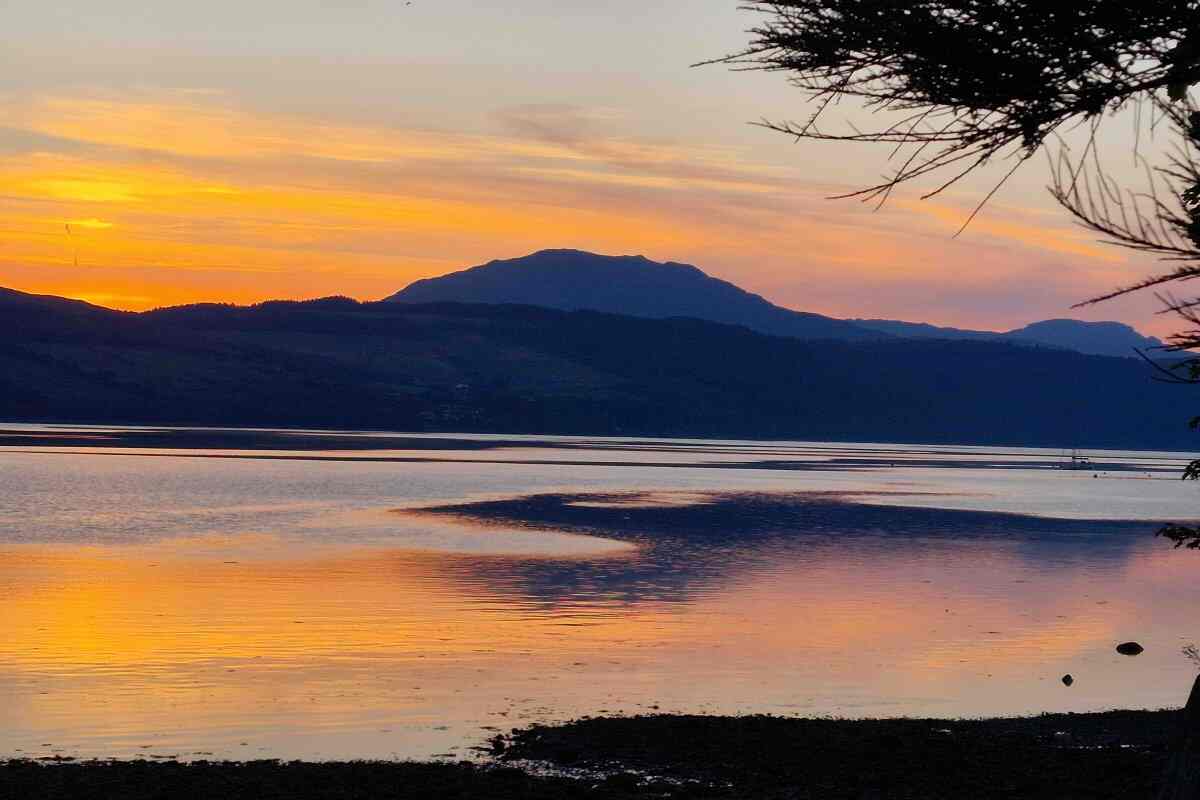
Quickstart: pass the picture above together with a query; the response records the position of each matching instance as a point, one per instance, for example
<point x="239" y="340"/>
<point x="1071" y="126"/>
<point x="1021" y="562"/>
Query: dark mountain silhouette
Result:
<point x="337" y="363"/>
<point x="573" y="280"/>
<point x="1095" y="338"/>
<point x="50" y="312"/>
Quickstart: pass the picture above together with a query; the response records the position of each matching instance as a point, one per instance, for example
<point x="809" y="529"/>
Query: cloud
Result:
<point x="20" y="142"/>
<point x="91" y="224"/>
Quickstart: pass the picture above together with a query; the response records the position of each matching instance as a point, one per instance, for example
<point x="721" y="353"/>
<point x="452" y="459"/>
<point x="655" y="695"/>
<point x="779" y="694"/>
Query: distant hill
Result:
<point x="54" y="313"/>
<point x="1094" y="338"/>
<point x="573" y="280"/>
<point x="337" y="363"/>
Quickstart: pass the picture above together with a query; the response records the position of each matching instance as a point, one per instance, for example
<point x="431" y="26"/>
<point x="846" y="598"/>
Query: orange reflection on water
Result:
<point x="342" y="652"/>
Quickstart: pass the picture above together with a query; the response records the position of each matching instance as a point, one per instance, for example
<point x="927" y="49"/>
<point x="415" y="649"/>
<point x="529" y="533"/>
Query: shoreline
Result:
<point x="1094" y="755"/>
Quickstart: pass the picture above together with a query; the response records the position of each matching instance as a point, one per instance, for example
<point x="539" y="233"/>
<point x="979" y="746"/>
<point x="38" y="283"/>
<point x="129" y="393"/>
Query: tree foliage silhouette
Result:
<point x="970" y="81"/>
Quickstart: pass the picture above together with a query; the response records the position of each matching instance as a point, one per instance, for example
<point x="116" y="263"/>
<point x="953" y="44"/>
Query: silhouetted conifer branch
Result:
<point x="973" y="80"/>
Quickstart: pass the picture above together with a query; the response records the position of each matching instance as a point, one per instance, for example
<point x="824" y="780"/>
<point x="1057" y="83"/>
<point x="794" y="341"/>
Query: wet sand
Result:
<point x="649" y="518"/>
<point x="1107" y="755"/>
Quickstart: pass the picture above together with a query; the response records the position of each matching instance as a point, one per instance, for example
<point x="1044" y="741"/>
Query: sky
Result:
<point x="165" y="153"/>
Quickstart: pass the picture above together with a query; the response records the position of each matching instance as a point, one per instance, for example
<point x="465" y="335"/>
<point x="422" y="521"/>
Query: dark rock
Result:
<point x="1067" y="680"/>
<point x="1130" y="649"/>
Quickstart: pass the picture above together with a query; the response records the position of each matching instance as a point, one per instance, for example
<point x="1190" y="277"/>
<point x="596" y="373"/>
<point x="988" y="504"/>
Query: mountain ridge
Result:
<point x="339" y="363"/>
<point x="1093" y="338"/>
<point x="637" y="286"/>
<point x="576" y="280"/>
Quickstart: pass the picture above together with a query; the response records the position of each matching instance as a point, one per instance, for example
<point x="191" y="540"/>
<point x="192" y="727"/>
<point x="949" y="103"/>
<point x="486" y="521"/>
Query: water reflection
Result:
<point x="317" y="657"/>
<point x="694" y="543"/>
<point x="252" y="608"/>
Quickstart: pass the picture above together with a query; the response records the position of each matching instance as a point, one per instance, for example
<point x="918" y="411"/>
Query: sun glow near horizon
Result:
<point x="139" y="197"/>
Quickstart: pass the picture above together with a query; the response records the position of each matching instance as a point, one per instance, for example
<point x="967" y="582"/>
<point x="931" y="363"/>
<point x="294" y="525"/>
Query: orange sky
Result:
<point x="220" y="170"/>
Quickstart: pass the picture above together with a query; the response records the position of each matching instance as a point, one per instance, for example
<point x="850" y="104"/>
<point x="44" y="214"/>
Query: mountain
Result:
<point x="38" y="311"/>
<point x="574" y="280"/>
<point x="1094" y="338"/>
<point x="337" y="363"/>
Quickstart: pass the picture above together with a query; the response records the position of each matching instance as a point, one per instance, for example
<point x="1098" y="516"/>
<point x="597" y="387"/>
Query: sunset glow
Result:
<point x="238" y="188"/>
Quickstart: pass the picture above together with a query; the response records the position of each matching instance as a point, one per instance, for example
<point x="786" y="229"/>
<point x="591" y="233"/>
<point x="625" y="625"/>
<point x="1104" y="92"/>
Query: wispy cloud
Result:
<point x="171" y="189"/>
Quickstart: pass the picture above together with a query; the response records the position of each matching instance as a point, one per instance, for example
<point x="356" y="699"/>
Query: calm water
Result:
<point x="286" y="595"/>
